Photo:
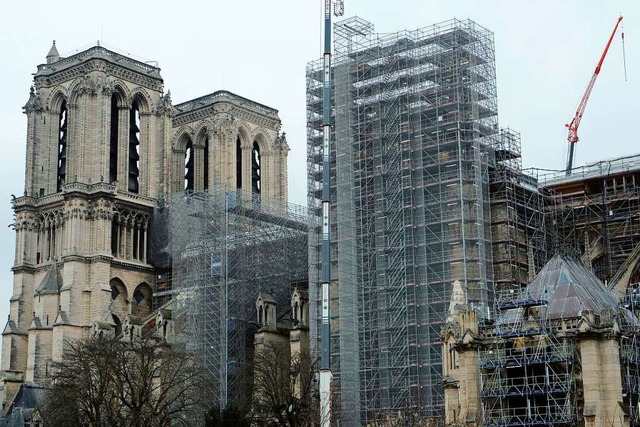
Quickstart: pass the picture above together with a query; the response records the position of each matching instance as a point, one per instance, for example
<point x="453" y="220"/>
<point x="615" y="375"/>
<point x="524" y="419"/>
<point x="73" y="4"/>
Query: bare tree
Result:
<point x="81" y="385"/>
<point x="108" y="382"/>
<point x="284" y="387"/>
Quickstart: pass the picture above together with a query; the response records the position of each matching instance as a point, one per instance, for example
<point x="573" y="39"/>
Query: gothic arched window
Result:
<point x="134" y="147"/>
<point x="118" y="289"/>
<point x="118" y="324"/>
<point x="256" y="185"/>
<point x="142" y="299"/>
<point x="189" y="163"/>
<point x="62" y="146"/>
<point x="113" y="140"/>
<point x="238" y="163"/>
<point x="205" y="174"/>
<point x="115" y="236"/>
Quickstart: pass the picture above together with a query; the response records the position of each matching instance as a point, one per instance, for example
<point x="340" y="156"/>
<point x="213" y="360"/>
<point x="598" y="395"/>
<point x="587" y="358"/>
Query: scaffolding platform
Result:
<point x="224" y="250"/>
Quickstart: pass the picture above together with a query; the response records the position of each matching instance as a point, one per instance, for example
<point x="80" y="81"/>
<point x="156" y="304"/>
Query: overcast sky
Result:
<point x="546" y="52"/>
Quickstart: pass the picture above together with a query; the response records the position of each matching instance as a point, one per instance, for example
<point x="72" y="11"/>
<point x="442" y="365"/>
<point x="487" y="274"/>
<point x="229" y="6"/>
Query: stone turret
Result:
<point x="53" y="55"/>
<point x="268" y="334"/>
<point x="266" y="310"/>
<point x="461" y="375"/>
<point x="299" y="335"/>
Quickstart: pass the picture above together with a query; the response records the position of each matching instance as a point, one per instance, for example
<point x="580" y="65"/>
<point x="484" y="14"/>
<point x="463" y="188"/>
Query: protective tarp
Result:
<point x="159" y="254"/>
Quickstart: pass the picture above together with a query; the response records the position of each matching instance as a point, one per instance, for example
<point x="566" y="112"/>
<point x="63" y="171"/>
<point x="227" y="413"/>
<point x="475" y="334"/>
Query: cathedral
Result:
<point x="105" y="145"/>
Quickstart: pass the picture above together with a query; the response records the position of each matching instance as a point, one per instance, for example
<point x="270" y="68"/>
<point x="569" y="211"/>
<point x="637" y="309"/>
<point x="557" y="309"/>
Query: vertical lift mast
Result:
<point x="325" y="279"/>
<point x="575" y="123"/>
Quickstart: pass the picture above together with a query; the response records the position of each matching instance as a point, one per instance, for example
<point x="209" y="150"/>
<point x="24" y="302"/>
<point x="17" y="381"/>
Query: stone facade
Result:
<point x="104" y="145"/>
<point x="285" y="336"/>
<point x="563" y="352"/>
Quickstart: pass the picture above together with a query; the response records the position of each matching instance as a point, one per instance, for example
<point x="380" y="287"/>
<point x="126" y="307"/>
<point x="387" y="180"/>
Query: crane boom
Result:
<point x="575" y="122"/>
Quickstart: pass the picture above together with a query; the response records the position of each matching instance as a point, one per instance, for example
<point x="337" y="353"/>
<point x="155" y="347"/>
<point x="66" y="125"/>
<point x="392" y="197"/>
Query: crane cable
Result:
<point x="624" y="56"/>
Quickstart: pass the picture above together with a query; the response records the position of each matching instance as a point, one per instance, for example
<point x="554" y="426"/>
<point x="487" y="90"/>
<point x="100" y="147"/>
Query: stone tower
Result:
<point x="104" y="144"/>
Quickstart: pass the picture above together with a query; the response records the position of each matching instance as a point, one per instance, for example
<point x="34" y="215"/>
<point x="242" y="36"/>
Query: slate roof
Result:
<point x="568" y="288"/>
<point x="28" y="397"/>
<point x="266" y="297"/>
<point x="62" y="318"/>
<point x="53" y="54"/>
<point x="10" y="327"/>
<point x="51" y="282"/>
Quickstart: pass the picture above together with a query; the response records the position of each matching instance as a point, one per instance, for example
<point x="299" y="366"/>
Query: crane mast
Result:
<point x="573" y="126"/>
<point x="325" y="279"/>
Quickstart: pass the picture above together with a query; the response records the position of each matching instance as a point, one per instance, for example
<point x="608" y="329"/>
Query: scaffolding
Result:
<point x="224" y="251"/>
<point x="415" y="126"/>
<point x="630" y="355"/>
<point x="595" y="214"/>
<point x="163" y="288"/>
<point x="532" y="365"/>
<point x="527" y="373"/>
<point x="528" y="366"/>
<point x="518" y="224"/>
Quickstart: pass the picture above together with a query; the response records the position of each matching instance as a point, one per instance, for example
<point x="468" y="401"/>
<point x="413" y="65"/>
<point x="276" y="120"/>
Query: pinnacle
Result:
<point x="53" y="54"/>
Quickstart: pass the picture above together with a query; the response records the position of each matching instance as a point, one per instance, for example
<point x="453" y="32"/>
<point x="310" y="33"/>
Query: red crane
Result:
<point x="575" y="123"/>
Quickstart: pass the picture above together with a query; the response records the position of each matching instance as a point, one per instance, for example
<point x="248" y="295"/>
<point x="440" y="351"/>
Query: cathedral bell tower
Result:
<point x="97" y="122"/>
<point x="104" y="145"/>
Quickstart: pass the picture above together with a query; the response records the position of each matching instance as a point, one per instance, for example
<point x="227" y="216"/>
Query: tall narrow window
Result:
<point x="255" y="169"/>
<point x="238" y="163"/>
<point x="134" y="147"/>
<point x="62" y="146"/>
<point x="117" y="324"/>
<point x="189" y="162"/>
<point x="136" y="241"/>
<point x="205" y="175"/>
<point x="113" y="141"/>
<point x="142" y="256"/>
<point x="115" y="237"/>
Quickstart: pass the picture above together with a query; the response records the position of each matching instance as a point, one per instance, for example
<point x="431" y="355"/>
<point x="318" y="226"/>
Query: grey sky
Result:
<point x="546" y="52"/>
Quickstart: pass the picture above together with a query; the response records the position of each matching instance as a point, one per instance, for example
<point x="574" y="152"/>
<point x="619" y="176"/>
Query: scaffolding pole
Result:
<point x="224" y="251"/>
<point x="325" y="361"/>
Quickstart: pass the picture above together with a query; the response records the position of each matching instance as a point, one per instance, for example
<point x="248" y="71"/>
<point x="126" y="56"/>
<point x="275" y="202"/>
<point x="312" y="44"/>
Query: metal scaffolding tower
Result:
<point x="630" y="355"/>
<point x="519" y="228"/>
<point x="595" y="214"/>
<point x="415" y="123"/>
<point x="224" y="251"/>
